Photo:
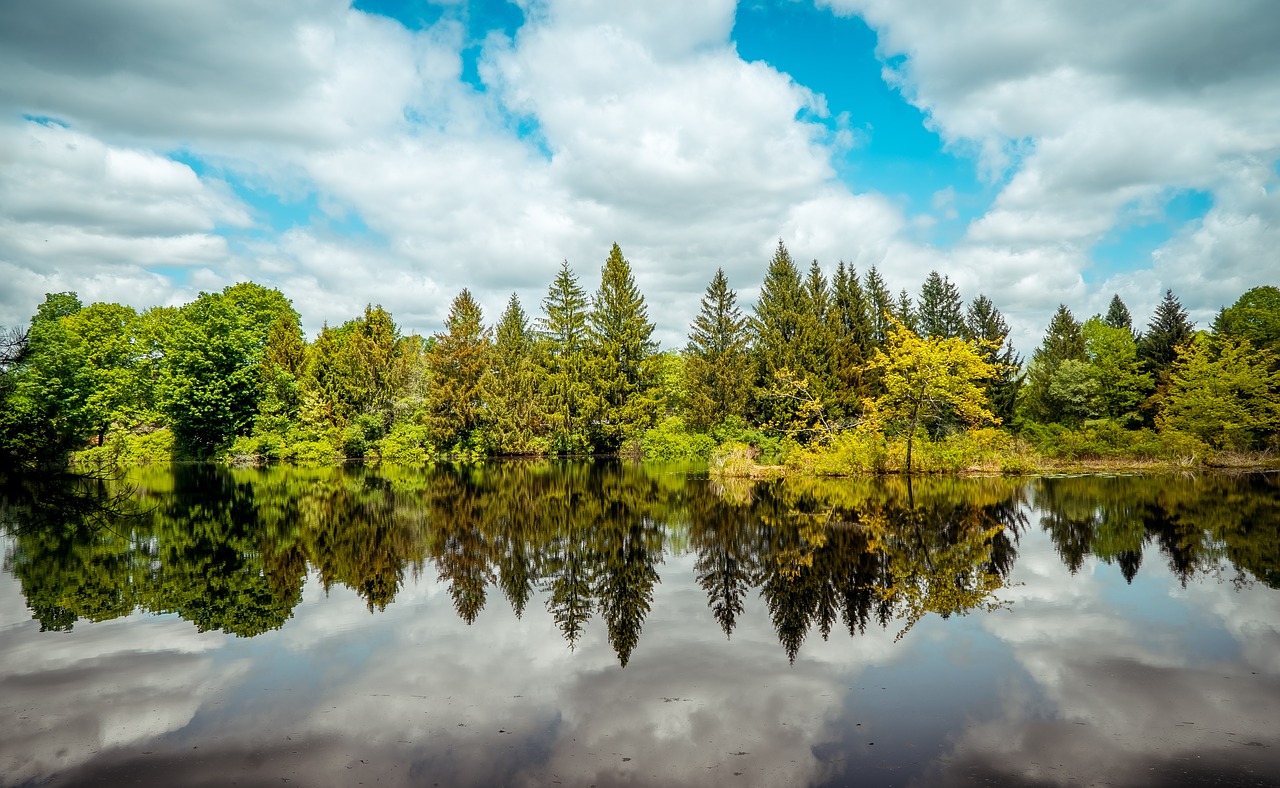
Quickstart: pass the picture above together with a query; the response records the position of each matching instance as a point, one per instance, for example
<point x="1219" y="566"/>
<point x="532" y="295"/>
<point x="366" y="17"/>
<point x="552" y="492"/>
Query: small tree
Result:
<point x="1224" y="392"/>
<point x="925" y="379"/>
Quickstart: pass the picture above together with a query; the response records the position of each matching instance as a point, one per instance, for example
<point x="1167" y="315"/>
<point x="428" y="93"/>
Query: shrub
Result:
<point x="671" y="440"/>
<point x="406" y="444"/>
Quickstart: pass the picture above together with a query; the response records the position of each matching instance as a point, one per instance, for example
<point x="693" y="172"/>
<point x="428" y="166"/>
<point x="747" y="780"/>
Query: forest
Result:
<point x="830" y="375"/>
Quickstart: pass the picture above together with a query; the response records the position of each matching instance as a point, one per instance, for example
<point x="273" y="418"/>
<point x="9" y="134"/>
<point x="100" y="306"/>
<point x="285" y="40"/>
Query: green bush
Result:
<point x="406" y="444"/>
<point x="312" y="452"/>
<point x="671" y="440"/>
<point x="123" y="447"/>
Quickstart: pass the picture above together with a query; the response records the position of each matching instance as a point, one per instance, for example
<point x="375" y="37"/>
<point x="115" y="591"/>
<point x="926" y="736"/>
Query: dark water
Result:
<point x="597" y="624"/>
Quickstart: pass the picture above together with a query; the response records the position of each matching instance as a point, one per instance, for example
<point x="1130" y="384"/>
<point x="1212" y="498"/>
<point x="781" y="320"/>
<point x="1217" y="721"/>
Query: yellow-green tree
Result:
<point x="1223" y="391"/>
<point x="928" y="379"/>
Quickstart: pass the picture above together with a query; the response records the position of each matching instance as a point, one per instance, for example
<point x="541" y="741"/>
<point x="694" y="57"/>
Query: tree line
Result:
<point x="815" y="361"/>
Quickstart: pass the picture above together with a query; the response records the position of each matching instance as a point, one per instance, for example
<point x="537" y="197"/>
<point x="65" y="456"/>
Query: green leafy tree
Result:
<point x="941" y="310"/>
<point x="1225" y="392"/>
<point x="283" y="367"/>
<point x="624" y="373"/>
<point x="1120" y="385"/>
<point x="460" y="363"/>
<point x="716" y="370"/>
<point x="1254" y="316"/>
<point x="928" y="379"/>
<point x="563" y="328"/>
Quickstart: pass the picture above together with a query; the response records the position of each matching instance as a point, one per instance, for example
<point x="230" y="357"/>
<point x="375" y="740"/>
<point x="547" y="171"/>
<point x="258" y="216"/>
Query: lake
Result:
<point x="605" y="624"/>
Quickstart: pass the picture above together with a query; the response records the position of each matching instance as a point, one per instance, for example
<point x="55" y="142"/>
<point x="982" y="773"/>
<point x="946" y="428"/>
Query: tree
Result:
<point x="853" y="339"/>
<point x="925" y="379"/>
<point x="1254" y="316"/>
<point x="815" y="342"/>
<point x="879" y="306"/>
<point x="1119" y="383"/>
<point x="106" y="331"/>
<point x="624" y="372"/>
<point x="1168" y="330"/>
<point x="1118" y="315"/>
<point x="716" y="371"/>
<point x="940" y="311"/>
<point x="775" y="331"/>
<point x="1063" y="341"/>
<point x="516" y="417"/>
<point x="563" y="328"/>
<point x="904" y="311"/>
<point x="985" y="326"/>
<point x="459" y="364"/>
<point x="1225" y="392"/>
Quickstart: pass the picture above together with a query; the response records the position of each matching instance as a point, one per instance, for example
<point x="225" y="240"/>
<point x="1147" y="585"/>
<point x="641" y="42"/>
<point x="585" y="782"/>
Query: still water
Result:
<point x="576" y="624"/>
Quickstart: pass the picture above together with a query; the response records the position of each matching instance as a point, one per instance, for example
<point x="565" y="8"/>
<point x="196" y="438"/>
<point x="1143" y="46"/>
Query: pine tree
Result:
<point x="563" y="328"/>
<point x="1118" y="314"/>
<point x="904" y="311"/>
<point x="985" y="324"/>
<point x="775" y="331"/>
<point x="854" y="342"/>
<point x="941" y="312"/>
<point x="717" y="374"/>
<point x="816" y="339"/>
<point x="459" y="363"/>
<point x="623" y="372"/>
<point x="516" y="417"/>
<point x="879" y="306"/>
<point x="1063" y="344"/>
<point x="1169" y="328"/>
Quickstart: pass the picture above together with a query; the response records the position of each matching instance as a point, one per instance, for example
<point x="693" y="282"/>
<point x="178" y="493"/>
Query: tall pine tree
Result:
<point x="623" y="372"/>
<point x="563" y="328"/>
<point x="775" y="333"/>
<point x="984" y="323"/>
<point x="460" y="363"/>
<point x="1063" y="344"/>
<point x="717" y="375"/>
<point x="854" y="342"/>
<point x="879" y="306"/>
<point x="941" y="310"/>
<point x="516" y="417"/>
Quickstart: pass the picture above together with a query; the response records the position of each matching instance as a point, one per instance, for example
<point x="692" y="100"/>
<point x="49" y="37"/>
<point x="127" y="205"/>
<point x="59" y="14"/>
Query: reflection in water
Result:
<point x="229" y="549"/>
<point x="441" y="656"/>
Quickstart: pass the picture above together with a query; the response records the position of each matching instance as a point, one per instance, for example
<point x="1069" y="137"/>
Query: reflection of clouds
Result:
<point x="1123" y="695"/>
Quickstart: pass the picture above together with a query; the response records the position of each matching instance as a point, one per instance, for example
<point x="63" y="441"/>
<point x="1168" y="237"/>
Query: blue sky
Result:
<point x="396" y="152"/>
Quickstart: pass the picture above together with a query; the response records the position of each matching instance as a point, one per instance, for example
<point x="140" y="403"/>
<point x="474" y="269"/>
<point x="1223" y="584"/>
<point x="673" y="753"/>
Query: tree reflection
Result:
<point x="231" y="550"/>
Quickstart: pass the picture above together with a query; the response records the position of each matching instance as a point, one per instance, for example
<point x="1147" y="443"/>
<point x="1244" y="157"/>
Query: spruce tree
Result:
<point x="1063" y="344"/>
<point x="563" y="329"/>
<point x="905" y="311"/>
<point x="775" y="331"/>
<point x="516" y="414"/>
<point x="1118" y="314"/>
<point x="459" y="363"/>
<point x="1169" y="328"/>
<point x="717" y="374"/>
<point x="879" y="306"/>
<point x="985" y="324"/>
<point x="816" y="341"/>
<point x="853" y="343"/>
<point x="941" y="311"/>
<point x="623" y="373"/>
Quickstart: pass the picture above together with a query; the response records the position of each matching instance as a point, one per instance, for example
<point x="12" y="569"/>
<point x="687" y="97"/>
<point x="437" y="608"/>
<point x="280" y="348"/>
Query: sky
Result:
<point x="395" y="153"/>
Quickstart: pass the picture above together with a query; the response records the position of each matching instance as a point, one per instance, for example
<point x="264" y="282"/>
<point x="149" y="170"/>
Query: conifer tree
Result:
<point x="1063" y="344"/>
<point x="775" y="332"/>
<point x="563" y="328"/>
<point x="816" y="339"/>
<point x="1118" y="314"/>
<point x="516" y="418"/>
<point x="623" y="373"/>
<point x="853" y="341"/>
<point x="941" y="310"/>
<point x="904" y="311"/>
<point x="985" y="324"/>
<point x="459" y="364"/>
<point x="1169" y="328"/>
<point x="717" y="374"/>
<point x="879" y="306"/>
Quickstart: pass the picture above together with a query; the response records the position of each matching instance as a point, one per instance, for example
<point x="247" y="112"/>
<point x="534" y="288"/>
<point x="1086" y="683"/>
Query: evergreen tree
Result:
<point x="904" y="311"/>
<point x="563" y="328"/>
<point x="853" y="341"/>
<point x="879" y="306"/>
<point x="1063" y="342"/>
<point x="459" y="362"/>
<point x="1118" y="314"/>
<point x="941" y="311"/>
<point x="623" y="372"/>
<point x="985" y="324"/>
<point x="515" y="413"/>
<point x="775" y="332"/>
<point x="717" y="374"/>
<point x="815" y="345"/>
<point x="1169" y="328"/>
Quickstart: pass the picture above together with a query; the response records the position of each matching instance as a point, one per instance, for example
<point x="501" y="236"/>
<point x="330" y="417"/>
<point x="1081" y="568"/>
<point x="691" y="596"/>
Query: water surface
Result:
<point x="602" y="624"/>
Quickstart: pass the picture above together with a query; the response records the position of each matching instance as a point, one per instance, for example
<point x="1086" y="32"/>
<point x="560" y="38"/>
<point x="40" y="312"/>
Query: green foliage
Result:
<point x="1255" y="317"/>
<point x="460" y="365"/>
<point x="941" y="308"/>
<point x="563" y="328"/>
<point x="1224" y="392"/>
<point x="775" y="333"/>
<point x="1063" y="341"/>
<point x="407" y="444"/>
<point x="517" y="418"/>
<point x="670" y="440"/>
<point x="1118" y="315"/>
<point x="879" y="307"/>
<point x="123" y="448"/>
<point x="1168" y="330"/>
<point x="985" y="326"/>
